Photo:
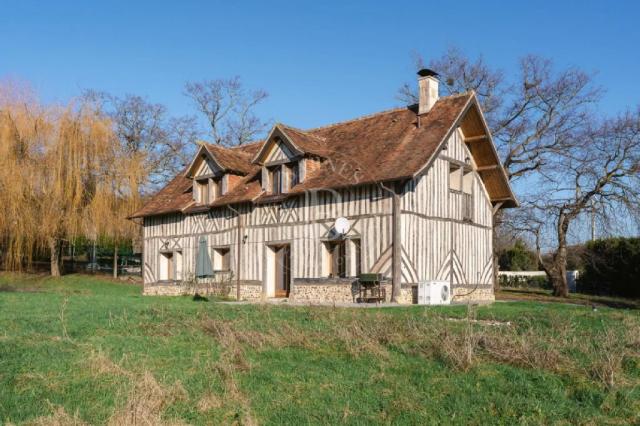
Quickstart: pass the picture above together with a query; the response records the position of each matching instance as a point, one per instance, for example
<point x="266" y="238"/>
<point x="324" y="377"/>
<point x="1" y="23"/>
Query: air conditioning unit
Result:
<point x="434" y="293"/>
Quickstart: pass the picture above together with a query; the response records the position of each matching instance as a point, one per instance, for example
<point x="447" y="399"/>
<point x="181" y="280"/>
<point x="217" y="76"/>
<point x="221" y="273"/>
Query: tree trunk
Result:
<point x="558" y="278"/>
<point x="55" y="248"/>
<point x="73" y="256"/>
<point x="558" y="270"/>
<point x="115" y="261"/>
<point x="93" y="258"/>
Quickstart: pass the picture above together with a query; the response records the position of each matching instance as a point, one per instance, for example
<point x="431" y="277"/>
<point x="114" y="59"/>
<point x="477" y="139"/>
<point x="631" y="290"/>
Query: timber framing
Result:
<point x="419" y="202"/>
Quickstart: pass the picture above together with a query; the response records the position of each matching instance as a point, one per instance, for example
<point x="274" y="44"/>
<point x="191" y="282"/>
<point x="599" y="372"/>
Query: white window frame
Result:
<point x="217" y="258"/>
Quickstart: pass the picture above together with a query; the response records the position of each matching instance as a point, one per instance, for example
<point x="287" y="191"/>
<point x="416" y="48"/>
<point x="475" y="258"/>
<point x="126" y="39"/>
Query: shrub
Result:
<point x="612" y="267"/>
<point x="517" y="258"/>
<point x="523" y="281"/>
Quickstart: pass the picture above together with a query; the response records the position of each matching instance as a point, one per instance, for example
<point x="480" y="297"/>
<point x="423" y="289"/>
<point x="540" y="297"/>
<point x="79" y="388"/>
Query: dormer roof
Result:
<point x="388" y="146"/>
<point x="225" y="160"/>
<point x="297" y="143"/>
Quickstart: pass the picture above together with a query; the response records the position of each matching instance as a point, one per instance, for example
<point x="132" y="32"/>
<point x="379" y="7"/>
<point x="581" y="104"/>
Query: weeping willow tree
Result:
<point x="62" y="175"/>
<point x="116" y="197"/>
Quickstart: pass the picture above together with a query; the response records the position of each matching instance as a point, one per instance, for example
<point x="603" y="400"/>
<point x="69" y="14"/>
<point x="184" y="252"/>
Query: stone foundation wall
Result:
<point x="469" y="293"/>
<point x="249" y="290"/>
<point x="324" y="290"/>
<point x="342" y="290"/>
<point x="316" y="290"/>
<point x="163" y="289"/>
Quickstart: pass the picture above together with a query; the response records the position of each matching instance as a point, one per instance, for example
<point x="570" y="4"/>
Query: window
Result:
<point x="455" y="177"/>
<point x="467" y="181"/>
<point x="167" y="266"/>
<point x="206" y="190"/>
<point x="217" y="185"/>
<point x="221" y="260"/>
<point x="202" y="191"/>
<point x="275" y="178"/>
<point x="467" y="195"/>
<point x="177" y="263"/>
<point x="293" y="175"/>
<point x="336" y="259"/>
<point x="461" y="182"/>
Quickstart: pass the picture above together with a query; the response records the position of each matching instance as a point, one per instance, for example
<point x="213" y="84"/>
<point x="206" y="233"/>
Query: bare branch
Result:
<point x="228" y="109"/>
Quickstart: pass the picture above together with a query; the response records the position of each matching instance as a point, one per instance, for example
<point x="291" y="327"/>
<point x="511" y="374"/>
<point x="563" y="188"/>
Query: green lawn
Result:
<point x="83" y="349"/>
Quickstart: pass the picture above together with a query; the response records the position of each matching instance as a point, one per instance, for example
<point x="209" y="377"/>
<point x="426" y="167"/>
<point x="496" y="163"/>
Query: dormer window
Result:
<point x="218" y="190"/>
<point x="207" y="190"/>
<point x="293" y="174"/>
<point x="202" y="191"/>
<point x="275" y="180"/>
<point x="282" y="178"/>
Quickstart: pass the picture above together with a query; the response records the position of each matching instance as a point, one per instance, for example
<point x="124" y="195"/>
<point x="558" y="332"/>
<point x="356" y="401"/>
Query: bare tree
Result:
<point x="602" y="171"/>
<point x="164" y="144"/>
<point x="228" y="109"/>
<point x="602" y="168"/>
<point x="461" y="74"/>
<point x="532" y="116"/>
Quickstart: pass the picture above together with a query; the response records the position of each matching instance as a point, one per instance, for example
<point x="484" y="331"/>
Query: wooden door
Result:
<point x="282" y="271"/>
<point x="338" y="259"/>
<point x="171" y="271"/>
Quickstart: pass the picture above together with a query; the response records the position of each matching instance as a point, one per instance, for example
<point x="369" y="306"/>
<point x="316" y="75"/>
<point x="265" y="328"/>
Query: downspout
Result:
<point x="396" y="246"/>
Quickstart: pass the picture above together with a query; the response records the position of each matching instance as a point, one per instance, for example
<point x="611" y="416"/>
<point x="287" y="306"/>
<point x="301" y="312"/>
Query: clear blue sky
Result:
<point x="319" y="61"/>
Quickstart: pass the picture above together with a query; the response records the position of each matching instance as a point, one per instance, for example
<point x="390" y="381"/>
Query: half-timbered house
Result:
<point x="418" y="187"/>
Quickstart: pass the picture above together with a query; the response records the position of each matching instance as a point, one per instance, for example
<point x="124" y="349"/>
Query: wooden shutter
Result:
<point x="203" y="261"/>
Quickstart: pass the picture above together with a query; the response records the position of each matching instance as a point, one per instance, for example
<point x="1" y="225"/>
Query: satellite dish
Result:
<point x="342" y="225"/>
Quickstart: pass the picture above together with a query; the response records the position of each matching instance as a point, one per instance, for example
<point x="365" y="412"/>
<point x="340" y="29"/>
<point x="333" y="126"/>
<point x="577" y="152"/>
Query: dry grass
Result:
<point x="608" y="352"/>
<point x="146" y="402"/>
<point x="232" y="360"/>
<point x="209" y="401"/>
<point x="461" y="344"/>
<point x="59" y="417"/>
<point x="100" y="364"/>
<point x="458" y="349"/>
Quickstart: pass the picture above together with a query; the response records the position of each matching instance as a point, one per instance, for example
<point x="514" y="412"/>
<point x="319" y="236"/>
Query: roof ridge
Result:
<point x="244" y="145"/>
<point x="227" y="149"/>
<point x="231" y="148"/>
<point x="362" y="117"/>
<point x="458" y="95"/>
<point x="304" y="132"/>
<point x="338" y="123"/>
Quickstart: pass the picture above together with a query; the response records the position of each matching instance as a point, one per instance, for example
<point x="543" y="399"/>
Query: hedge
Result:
<point x="522" y="281"/>
<point x="612" y="267"/>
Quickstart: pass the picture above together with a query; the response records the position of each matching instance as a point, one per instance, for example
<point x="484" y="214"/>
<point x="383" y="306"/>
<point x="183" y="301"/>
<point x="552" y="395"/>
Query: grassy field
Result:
<point x="540" y="295"/>
<point x="82" y="349"/>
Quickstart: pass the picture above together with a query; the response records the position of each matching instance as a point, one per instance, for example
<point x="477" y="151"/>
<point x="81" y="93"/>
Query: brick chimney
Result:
<point x="428" y="88"/>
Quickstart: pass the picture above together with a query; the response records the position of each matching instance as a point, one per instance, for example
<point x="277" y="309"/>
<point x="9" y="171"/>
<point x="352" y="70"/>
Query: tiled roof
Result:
<point x="172" y="198"/>
<point x="233" y="160"/>
<point x="381" y="147"/>
<point x="307" y="141"/>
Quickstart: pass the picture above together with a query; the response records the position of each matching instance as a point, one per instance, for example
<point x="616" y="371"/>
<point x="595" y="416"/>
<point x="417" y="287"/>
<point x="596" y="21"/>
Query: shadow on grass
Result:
<point x="540" y="295"/>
